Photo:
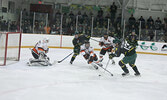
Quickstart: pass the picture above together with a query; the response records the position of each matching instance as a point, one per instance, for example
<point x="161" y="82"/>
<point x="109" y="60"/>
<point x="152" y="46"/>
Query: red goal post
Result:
<point x="10" y="46"/>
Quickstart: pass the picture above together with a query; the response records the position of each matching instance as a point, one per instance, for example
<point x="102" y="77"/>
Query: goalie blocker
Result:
<point x="39" y="53"/>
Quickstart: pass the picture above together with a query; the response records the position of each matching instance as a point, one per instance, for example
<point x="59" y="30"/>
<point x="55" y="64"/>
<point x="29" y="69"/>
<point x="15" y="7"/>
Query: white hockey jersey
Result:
<point x="41" y="45"/>
<point x="107" y="43"/>
<point x="89" y="51"/>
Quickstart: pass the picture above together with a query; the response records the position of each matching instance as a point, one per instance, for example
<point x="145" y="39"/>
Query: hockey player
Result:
<point x="39" y="53"/>
<point x="129" y="57"/>
<point x="88" y="53"/>
<point x="77" y="42"/>
<point x="107" y="44"/>
<point x="132" y="39"/>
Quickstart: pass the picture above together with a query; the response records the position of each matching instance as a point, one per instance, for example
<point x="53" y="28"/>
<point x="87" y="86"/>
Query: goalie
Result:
<point x="39" y="53"/>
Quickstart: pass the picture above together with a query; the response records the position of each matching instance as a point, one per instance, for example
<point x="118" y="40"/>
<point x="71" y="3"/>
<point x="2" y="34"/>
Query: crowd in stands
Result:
<point x="147" y="27"/>
<point x="8" y="26"/>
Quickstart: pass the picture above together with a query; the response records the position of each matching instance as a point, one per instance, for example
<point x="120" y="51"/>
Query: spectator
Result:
<point x="107" y="16"/>
<point x="149" y="20"/>
<point x="47" y="29"/>
<point x="142" y="20"/>
<point x="133" y="29"/>
<point x="151" y="30"/>
<point x="118" y="20"/>
<point x="165" y="20"/>
<point x="24" y="14"/>
<point x="100" y="13"/>
<point x="91" y="14"/>
<point x="100" y="17"/>
<point x="113" y="11"/>
<point x="132" y="21"/>
<point x="158" y="24"/>
<point x="165" y="27"/>
<point x="13" y="26"/>
<point x="58" y="14"/>
<point x="71" y="19"/>
<point x="71" y="14"/>
<point x="80" y="20"/>
<point x="4" y="26"/>
<point x="85" y="17"/>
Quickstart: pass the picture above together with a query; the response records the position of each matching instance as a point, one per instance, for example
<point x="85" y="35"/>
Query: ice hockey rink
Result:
<point x="80" y="81"/>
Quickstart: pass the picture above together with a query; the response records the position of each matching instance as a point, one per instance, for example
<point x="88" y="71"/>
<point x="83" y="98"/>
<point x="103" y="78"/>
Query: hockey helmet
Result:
<point x="46" y="40"/>
<point x="105" y="36"/>
<point x="87" y="44"/>
<point x="133" y="32"/>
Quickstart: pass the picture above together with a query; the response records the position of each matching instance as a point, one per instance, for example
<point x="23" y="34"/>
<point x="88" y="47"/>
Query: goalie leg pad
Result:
<point x="38" y="62"/>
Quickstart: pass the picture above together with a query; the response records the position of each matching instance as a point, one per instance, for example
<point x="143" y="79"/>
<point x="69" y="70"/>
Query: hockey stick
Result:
<point x="106" y="71"/>
<point x="94" y="40"/>
<point x="65" y="57"/>
<point x="107" y="63"/>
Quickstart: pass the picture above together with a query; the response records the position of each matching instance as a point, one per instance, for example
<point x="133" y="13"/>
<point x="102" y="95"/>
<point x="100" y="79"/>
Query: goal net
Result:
<point x="10" y="44"/>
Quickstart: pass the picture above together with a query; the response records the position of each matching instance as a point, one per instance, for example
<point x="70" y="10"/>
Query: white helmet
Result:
<point x="46" y="40"/>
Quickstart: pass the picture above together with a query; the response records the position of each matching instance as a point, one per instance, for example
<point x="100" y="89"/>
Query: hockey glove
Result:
<point x="111" y="56"/>
<point x="86" y="56"/>
<point x="47" y="50"/>
<point x="101" y="43"/>
<point x="90" y="60"/>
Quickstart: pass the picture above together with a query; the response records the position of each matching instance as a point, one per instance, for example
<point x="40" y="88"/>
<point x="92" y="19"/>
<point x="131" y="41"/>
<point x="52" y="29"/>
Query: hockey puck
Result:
<point x="99" y="75"/>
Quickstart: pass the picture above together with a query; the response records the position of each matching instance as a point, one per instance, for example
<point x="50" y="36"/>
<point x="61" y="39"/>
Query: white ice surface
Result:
<point x="80" y="81"/>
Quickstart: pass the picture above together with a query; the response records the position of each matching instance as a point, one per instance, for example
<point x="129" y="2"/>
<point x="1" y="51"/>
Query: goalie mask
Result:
<point x="87" y="44"/>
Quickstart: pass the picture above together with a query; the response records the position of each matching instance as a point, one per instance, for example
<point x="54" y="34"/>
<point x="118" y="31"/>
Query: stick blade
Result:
<point x="59" y="61"/>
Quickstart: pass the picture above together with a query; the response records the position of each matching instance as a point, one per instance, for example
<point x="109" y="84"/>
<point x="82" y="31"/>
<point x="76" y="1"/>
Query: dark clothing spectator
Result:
<point x="91" y="14"/>
<point x="71" y="15"/>
<point x="58" y="13"/>
<point x="165" y="20"/>
<point x="80" y="19"/>
<point x="165" y="28"/>
<point x="132" y="20"/>
<point x="151" y="26"/>
<point x="149" y="20"/>
<point x="158" y="24"/>
<point x="151" y="29"/>
<point x="13" y="26"/>
<point x="118" y="20"/>
<point x="143" y="23"/>
<point x="113" y="11"/>
<point x="100" y="13"/>
<point x="85" y="17"/>
<point x="107" y="16"/>
<point x="106" y="19"/>
<point x="134" y="29"/>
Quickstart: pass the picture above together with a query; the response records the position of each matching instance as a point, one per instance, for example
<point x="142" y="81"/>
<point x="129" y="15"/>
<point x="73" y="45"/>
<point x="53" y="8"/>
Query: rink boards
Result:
<point x="58" y="41"/>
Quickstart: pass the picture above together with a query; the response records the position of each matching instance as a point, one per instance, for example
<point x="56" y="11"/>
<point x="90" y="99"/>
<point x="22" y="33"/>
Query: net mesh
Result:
<point x="12" y="50"/>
